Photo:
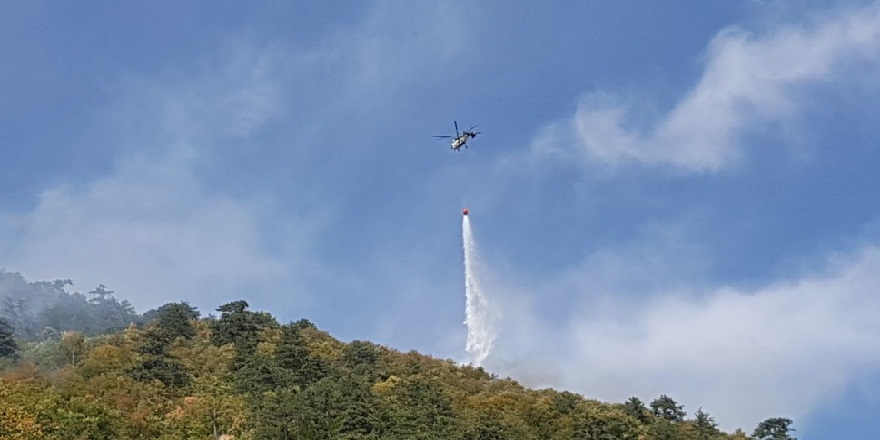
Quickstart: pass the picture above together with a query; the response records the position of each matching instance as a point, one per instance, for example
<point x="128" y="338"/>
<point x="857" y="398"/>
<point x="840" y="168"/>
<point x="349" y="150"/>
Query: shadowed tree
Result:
<point x="19" y="315"/>
<point x="8" y="347"/>
<point x="667" y="409"/>
<point x="341" y="407"/>
<point x="101" y="294"/>
<point x="108" y="313"/>
<point x="70" y="312"/>
<point x="172" y="321"/>
<point x="293" y="355"/>
<point x="361" y="358"/>
<point x="239" y="326"/>
<point x="636" y="409"/>
<point x="776" y="428"/>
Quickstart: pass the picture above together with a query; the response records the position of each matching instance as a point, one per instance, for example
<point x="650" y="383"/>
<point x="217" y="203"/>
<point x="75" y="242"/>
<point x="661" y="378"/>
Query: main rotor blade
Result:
<point x="442" y="137"/>
<point x="456" y="128"/>
<point x="472" y="128"/>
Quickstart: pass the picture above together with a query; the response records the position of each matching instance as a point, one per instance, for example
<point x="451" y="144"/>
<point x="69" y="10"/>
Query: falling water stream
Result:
<point x="480" y="336"/>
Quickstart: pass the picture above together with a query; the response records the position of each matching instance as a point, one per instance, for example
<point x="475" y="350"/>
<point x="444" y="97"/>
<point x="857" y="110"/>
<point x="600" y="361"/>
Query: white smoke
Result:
<point x="481" y="332"/>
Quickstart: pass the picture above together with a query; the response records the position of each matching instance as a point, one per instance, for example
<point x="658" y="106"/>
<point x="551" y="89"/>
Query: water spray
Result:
<point x="480" y="336"/>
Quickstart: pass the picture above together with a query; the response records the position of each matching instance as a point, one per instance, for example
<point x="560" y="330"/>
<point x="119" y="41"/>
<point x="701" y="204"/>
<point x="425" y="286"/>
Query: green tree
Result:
<point x="705" y="425"/>
<point x="361" y="358"/>
<point x="239" y="326"/>
<point x="601" y="422"/>
<point x="165" y="369"/>
<point x="242" y="328"/>
<point x="337" y="408"/>
<point x="637" y="409"/>
<point x="416" y="408"/>
<point x="173" y="322"/>
<point x="293" y="355"/>
<point x="667" y="409"/>
<point x="277" y="414"/>
<point x="776" y="428"/>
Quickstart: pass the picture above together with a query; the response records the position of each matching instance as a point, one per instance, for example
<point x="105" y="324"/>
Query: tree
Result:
<point x="293" y="355"/>
<point x="157" y="363"/>
<point x="335" y="408"/>
<point x="242" y="328"/>
<point x="361" y="358"/>
<point x="775" y="428"/>
<point x="8" y="347"/>
<point x="109" y="314"/>
<point x="604" y="422"/>
<point x="69" y="312"/>
<point x="416" y="408"/>
<point x="636" y="409"/>
<point x="239" y="326"/>
<point x="18" y="313"/>
<point x="276" y="415"/>
<point x="101" y="294"/>
<point x="667" y="409"/>
<point x="174" y="321"/>
<point x="705" y="425"/>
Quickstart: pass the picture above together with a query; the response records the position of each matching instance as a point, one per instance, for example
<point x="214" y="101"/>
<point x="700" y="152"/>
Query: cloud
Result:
<point x="743" y="355"/>
<point x="751" y="81"/>
<point x="163" y="224"/>
<point x="150" y="232"/>
<point x="644" y="318"/>
<point x="189" y="112"/>
<point x="151" y="229"/>
<point x="391" y="52"/>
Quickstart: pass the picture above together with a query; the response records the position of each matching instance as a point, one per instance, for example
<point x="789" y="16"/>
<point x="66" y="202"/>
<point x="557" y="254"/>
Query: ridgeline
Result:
<point x="172" y="374"/>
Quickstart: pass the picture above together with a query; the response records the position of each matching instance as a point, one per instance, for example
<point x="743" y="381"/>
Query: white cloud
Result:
<point x="392" y="51"/>
<point x="188" y="113"/>
<point x="644" y="320"/>
<point x="155" y="230"/>
<point x="744" y="356"/>
<point x="151" y="229"/>
<point x="750" y="81"/>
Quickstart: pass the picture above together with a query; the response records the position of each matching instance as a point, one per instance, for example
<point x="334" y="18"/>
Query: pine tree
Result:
<point x="668" y="409"/>
<point x="776" y="428"/>
<point x="707" y="428"/>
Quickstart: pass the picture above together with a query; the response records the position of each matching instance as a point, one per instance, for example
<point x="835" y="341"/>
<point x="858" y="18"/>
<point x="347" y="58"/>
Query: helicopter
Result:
<point x="460" y="139"/>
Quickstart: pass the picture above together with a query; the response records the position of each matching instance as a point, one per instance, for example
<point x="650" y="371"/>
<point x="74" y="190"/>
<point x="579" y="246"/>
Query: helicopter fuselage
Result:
<point x="461" y="140"/>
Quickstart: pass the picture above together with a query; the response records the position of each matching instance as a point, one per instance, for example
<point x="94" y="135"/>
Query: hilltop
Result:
<point x="173" y="374"/>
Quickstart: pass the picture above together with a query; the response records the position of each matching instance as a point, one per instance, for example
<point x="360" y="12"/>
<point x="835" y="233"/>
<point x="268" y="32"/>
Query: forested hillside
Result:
<point x="33" y="308"/>
<point x="173" y="374"/>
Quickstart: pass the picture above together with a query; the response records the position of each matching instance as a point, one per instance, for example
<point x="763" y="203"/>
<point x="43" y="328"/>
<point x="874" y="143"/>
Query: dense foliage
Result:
<point x="243" y="375"/>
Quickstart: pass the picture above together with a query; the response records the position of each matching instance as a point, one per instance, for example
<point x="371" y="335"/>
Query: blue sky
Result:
<point x="668" y="198"/>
